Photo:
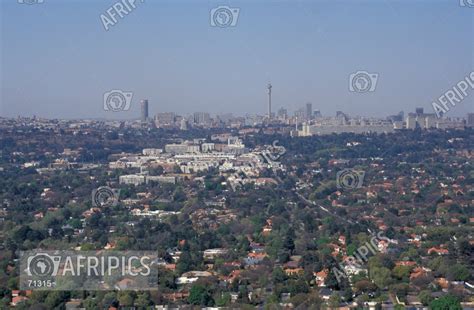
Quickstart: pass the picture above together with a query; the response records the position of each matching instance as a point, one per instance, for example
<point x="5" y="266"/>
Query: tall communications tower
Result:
<point x="269" y="87"/>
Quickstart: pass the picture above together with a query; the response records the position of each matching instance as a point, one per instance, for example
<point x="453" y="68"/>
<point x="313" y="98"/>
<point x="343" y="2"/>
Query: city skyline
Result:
<point x="64" y="73"/>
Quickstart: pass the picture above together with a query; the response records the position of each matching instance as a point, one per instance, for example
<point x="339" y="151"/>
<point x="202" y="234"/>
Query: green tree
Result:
<point x="56" y="298"/>
<point x="447" y="302"/>
<point x="289" y="242"/>
<point x="143" y="300"/>
<point x="425" y="297"/>
<point x="401" y="272"/>
<point x="223" y="300"/>
<point x="200" y="295"/>
<point x="109" y="299"/>
<point x="278" y="275"/>
<point x="90" y="303"/>
<point x="380" y="276"/>
<point x="458" y="272"/>
<point x="185" y="262"/>
<point x="125" y="299"/>
<point x="334" y="301"/>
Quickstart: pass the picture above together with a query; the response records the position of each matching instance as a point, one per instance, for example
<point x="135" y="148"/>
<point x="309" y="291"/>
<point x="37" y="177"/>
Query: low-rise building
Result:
<point x="134" y="179"/>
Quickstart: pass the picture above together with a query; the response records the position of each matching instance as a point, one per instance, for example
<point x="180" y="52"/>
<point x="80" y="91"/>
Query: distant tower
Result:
<point x="144" y="110"/>
<point x="269" y="87"/>
<point x="183" y="124"/>
<point x="309" y="111"/>
<point x="470" y="119"/>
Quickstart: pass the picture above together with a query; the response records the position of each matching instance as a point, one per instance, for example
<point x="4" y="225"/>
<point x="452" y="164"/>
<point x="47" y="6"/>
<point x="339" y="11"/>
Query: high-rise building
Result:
<point x="300" y="114"/>
<point x="411" y="121"/>
<point x="165" y="119"/>
<point x="183" y="125"/>
<point x="201" y="118"/>
<point x="419" y="111"/>
<point x="225" y="118"/>
<point x="282" y="113"/>
<point x="470" y="119"/>
<point x="144" y="110"/>
<point x="430" y="121"/>
<point x="401" y="115"/>
<point x="342" y="116"/>
<point x="309" y="111"/>
<point x="396" y="118"/>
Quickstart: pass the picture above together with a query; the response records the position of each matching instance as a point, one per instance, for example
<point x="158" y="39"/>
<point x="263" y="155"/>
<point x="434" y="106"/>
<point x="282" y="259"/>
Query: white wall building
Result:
<point x="134" y="179"/>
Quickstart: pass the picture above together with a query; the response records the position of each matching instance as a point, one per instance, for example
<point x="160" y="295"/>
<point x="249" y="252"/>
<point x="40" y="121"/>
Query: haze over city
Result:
<point x="58" y="60"/>
<point x="248" y="154"/>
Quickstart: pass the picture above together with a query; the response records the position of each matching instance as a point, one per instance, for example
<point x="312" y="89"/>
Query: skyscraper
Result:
<point x="165" y="119"/>
<point x="144" y="110"/>
<point x="201" y="118"/>
<point x="470" y="119"/>
<point x="309" y="111"/>
<point x="183" y="124"/>
<point x="282" y="113"/>
<point x="411" y="121"/>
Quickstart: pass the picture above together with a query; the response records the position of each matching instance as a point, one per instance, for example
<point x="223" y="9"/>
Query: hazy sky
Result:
<point x="58" y="60"/>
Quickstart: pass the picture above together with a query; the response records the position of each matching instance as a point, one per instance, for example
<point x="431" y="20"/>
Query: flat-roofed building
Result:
<point x="134" y="179"/>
